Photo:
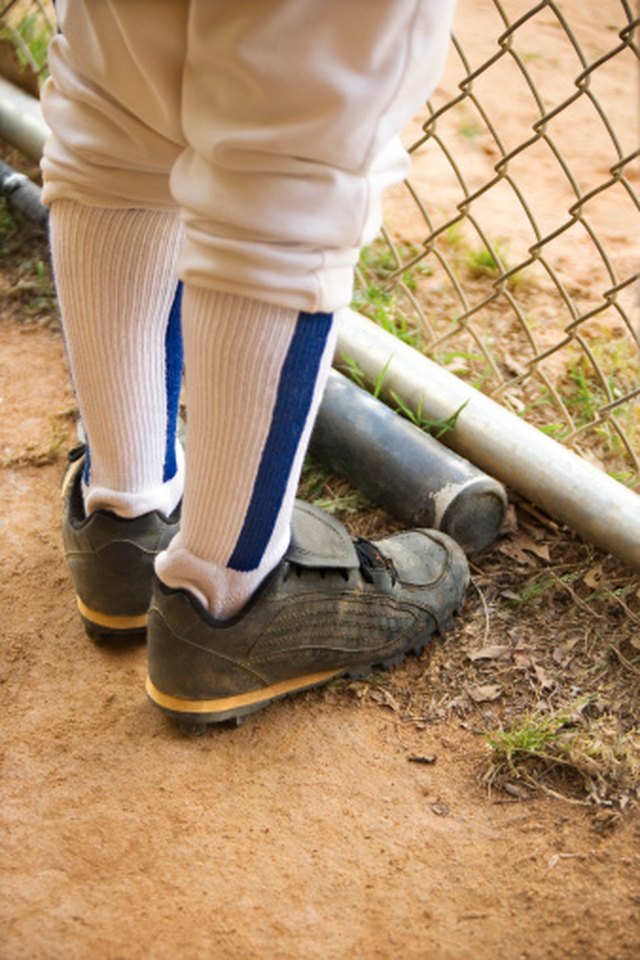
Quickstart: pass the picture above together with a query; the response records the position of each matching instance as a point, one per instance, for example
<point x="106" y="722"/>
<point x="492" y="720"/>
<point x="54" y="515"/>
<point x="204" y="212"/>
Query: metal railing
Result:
<point x="511" y="255"/>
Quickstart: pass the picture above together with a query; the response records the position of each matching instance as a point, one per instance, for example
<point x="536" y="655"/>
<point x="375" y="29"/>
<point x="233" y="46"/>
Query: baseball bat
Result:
<point x="403" y="469"/>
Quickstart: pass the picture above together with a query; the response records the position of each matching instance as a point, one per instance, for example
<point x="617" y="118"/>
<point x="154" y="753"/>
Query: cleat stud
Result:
<point x="193" y="728"/>
<point x="393" y="661"/>
<point x="359" y="673"/>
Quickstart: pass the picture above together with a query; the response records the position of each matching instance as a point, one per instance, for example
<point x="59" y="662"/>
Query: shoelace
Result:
<point x="371" y="559"/>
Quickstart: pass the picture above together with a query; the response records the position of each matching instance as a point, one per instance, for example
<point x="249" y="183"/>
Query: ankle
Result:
<point x="162" y="497"/>
<point x="223" y="592"/>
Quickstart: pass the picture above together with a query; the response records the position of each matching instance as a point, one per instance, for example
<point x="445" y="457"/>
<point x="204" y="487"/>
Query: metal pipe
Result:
<point x="23" y="196"/>
<point x="403" y="469"/>
<point x="601" y="510"/>
<point x="21" y="121"/>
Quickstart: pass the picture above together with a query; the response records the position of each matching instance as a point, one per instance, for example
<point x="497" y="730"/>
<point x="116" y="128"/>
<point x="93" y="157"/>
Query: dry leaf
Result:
<point x="539" y="549"/>
<point x="509" y="595"/>
<point x="385" y="699"/>
<point x="594" y="577"/>
<point x="514" y="366"/>
<point x="543" y="678"/>
<point x="520" y="545"/>
<point x="485" y="693"/>
<point x="522" y="659"/>
<point x="490" y="652"/>
<point x="562" y="654"/>
<point x="510" y="523"/>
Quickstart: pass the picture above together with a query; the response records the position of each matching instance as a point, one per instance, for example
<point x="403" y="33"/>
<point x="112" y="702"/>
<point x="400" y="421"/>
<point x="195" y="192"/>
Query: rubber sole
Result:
<point x="194" y="716"/>
<point x="204" y="712"/>
<point x="102" y="627"/>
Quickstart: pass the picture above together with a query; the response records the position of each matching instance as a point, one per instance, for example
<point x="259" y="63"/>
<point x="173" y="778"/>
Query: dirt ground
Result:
<point x="312" y="830"/>
<point x="366" y="820"/>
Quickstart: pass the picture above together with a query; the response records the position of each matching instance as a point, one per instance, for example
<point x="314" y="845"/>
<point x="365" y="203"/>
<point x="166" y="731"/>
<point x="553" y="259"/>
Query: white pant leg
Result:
<point x="291" y="111"/>
<point x="113" y="102"/>
<point x="279" y="125"/>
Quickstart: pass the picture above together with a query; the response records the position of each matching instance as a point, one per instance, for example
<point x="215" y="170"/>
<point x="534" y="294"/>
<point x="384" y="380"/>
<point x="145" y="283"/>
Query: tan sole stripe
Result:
<point x="241" y="700"/>
<point x="112" y="623"/>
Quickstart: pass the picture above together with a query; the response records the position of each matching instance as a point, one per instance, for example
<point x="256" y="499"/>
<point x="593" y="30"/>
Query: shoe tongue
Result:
<point x="319" y="540"/>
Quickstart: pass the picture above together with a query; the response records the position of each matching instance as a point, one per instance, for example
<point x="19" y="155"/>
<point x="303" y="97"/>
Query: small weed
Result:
<point x="35" y="33"/>
<point x="583" y="399"/>
<point x="622" y="476"/>
<point x="319" y="486"/>
<point x="538" y="736"/>
<point x="314" y="479"/>
<point x="379" y="301"/>
<point x="437" y="428"/>
<point x="577" y="752"/>
<point x="584" y="396"/>
<point x="381" y="305"/>
<point x="470" y="130"/>
<point x="449" y="358"/>
<point x="537" y="588"/>
<point x="378" y="383"/>
<point x="351" y="502"/>
<point x="380" y="260"/>
<point x="453" y="237"/>
<point x="556" y="430"/>
<point x="482" y="263"/>
<point x="354" y="371"/>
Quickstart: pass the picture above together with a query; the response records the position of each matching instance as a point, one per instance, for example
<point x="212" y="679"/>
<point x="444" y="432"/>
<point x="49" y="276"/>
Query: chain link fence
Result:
<point x="511" y="255"/>
<point x="26" y="26"/>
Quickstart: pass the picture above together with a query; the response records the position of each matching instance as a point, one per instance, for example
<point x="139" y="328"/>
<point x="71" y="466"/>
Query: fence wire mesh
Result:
<point x="511" y="254"/>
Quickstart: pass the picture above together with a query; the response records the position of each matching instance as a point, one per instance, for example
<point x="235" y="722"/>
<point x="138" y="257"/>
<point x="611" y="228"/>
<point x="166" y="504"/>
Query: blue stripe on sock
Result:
<point x="295" y="394"/>
<point x="173" y="380"/>
<point x="86" y="473"/>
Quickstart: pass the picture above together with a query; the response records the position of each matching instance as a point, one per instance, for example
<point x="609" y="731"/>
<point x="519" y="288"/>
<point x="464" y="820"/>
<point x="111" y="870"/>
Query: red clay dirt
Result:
<point x="306" y="832"/>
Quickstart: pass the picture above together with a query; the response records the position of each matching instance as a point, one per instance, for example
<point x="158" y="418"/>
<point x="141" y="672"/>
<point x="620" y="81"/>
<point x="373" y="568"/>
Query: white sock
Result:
<point x="254" y="374"/>
<point x="116" y="283"/>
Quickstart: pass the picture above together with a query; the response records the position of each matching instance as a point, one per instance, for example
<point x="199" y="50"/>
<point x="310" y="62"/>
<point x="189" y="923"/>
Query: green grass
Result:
<point x="481" y="262"/>
<point x="435" y="427"/>
<point x="36" y="35"/>
<point x="578" y="751"/>
<point x="383" y="307"/>
<point x="540" y="736"/>
<point x="538" y="587"/>
<point x="584" y="394"/>
<point x="381" y="295"/>
<point x="320" y="486"/>
<point x="8" y="229"/>
<point x="352" y="369"/>
<point x="471" y="130"/>
<point x="378" y="297"/>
